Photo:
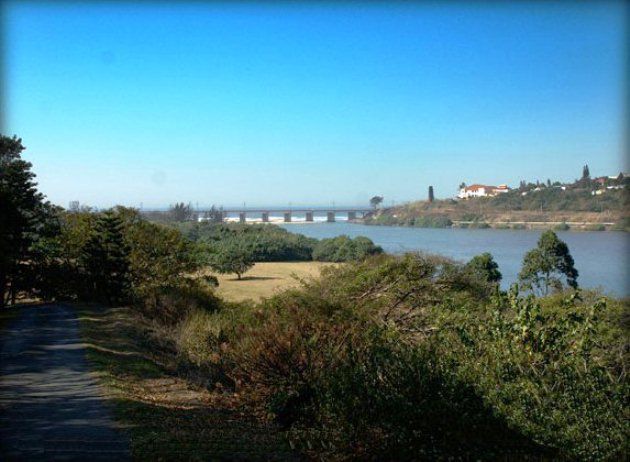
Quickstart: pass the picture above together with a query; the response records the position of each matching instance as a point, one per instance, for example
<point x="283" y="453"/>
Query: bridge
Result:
<point x="287" y="214"/>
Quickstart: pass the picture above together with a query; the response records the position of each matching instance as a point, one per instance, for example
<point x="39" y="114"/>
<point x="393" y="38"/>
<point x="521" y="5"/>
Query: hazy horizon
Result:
<point x="311" y="103"/>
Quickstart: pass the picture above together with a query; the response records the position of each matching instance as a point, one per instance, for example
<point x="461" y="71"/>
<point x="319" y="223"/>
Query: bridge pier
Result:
<point x="309" y="216"/>
<point x="330" y="217"/>
<point x="352" y="216"/>
<point x="287" y="217"/>
<point x="265" y="217"/>
<point x="242" y="217"/>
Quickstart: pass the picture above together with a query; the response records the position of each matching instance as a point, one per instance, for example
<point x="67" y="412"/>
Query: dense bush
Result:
<point x="342" y="249"/>
<point x="263" y="242"/>
<point x="271" y="243"/>
<point x="416" y="357"/>
<point x="437" y="221"/>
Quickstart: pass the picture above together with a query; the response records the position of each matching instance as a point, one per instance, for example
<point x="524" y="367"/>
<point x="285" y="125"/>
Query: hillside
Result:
<point x="530" y="208"/>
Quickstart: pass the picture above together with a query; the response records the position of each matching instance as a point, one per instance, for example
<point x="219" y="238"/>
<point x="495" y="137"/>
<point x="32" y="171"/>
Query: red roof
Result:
<point x="475" y="187"/>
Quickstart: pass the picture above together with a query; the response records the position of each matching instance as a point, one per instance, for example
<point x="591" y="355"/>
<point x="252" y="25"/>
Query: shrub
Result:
<point x="417" y="357"/>
<point x="562" y="227"/>
<point x="479" y="225"/>
<point x="171" y="304"/>
<point x="343" y="248"/>
<point x="433" y="222"/>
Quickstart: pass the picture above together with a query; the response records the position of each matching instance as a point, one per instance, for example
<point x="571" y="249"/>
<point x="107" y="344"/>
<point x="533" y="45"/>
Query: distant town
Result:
<point x="598" y="186"/>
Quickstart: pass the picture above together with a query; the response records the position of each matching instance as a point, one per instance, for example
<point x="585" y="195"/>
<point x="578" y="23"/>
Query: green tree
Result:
<point x="105" y="259"/>
<point x="431" y="197"/>
<point x="546" y="266"/>
<point x="232" y="258"/>
<point x="586" y="174"/>
<point x="181" y="212"/>
<point x="159" y="256"/>
<point x="26" y="218"/>
<point x="485" y="266"/>
<point x="376" y="201"/>
<point x="343" y="248"/>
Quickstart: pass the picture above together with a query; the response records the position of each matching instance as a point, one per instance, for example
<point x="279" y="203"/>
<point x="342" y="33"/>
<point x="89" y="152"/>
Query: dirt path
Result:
<point x="51" y="407"/>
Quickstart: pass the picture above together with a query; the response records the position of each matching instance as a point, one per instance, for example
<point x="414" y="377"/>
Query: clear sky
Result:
<point x="152" y="103"/>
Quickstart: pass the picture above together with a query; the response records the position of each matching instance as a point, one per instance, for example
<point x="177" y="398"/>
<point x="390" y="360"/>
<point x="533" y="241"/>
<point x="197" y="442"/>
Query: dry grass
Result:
<point x="267" y="279"/>
<point x="168" y="416"/>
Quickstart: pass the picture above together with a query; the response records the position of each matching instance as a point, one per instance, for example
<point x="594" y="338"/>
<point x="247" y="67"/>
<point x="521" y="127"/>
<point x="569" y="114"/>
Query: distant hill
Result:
<point x="579" y="203"/>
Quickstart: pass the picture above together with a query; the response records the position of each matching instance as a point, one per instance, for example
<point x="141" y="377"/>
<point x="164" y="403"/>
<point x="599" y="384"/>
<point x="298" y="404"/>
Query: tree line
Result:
<point x="117" y="255"/>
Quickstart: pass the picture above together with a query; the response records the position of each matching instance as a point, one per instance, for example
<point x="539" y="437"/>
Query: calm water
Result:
<point x="600" y="257"/>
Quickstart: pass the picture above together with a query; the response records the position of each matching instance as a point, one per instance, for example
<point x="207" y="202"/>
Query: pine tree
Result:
<point x="106" y="260"/>
<point x="585" y="173"/>
<point x="431" y="194"/>
<point x="25" y="218"/>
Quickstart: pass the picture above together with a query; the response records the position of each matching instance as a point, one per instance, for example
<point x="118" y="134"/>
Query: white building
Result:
<point x="481" y="190"/>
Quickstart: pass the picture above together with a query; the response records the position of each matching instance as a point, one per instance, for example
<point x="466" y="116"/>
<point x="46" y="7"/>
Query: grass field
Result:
<point x="266" y="279"/>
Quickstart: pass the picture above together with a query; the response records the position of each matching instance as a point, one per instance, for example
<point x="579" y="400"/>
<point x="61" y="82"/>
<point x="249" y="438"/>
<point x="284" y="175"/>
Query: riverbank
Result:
<point x="539" y="225"/>
<point x="600" y="257"/>
<point x="577" y="210"/>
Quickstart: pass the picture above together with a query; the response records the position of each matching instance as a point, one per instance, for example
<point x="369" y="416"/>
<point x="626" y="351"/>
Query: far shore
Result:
<point x="515" y="225"/>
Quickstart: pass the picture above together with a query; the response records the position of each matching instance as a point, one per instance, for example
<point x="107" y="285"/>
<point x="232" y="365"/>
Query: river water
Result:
<point x="600" y="257"/>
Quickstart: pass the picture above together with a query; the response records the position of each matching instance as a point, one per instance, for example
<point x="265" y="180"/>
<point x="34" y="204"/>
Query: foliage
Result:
<point x="159" y="257"/>
<point x="548" y="370"/>
<point x="423" y="221"/>
<point x="376" y="201"/>
<point x="105" y="260"/>
<point x="28" y="224"/>
<point x="181" y="212"/>
<point x="431" y="196"/>
<point x="268" y="243"/>
<point x="484" y="266"/>
<point x="265" y="242"/>
<point x="416" y="357"/>
<point x="546" y="266"/>
<point x="232" y="257"/>
<point x="342" y="248"/>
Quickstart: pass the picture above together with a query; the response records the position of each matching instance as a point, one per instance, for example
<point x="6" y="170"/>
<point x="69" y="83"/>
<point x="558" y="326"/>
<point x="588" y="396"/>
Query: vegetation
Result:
<point x="376" y="201"/>
<point x="170" y="413"/>
<point x="28" y="223"/>
<point x="105" y="260"/>
<point x="546" y="266"/>
<point x="485" y="267"/>
<point x="269" y="243"/>
<point x="342" y="249"/>
<point x="232" y="258"/>
<point x="263" y="242"/>
<point x="585" y="200"/>
<point x="383" y="357"/>
<point x="417" y="357"/>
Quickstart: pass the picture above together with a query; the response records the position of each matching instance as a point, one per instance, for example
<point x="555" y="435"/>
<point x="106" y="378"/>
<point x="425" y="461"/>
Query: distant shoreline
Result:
<point x="519" y="225"/>
<point x="505" y="225"/>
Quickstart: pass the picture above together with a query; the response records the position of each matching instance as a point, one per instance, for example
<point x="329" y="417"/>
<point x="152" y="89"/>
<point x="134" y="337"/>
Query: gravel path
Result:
<point x="51" y="407"/>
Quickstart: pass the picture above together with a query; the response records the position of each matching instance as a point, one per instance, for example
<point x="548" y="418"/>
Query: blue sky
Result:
<point x="311" y="103"/>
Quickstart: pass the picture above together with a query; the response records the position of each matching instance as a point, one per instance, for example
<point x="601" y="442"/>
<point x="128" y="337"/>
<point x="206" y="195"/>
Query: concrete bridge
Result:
<point x="287" y="214"/>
